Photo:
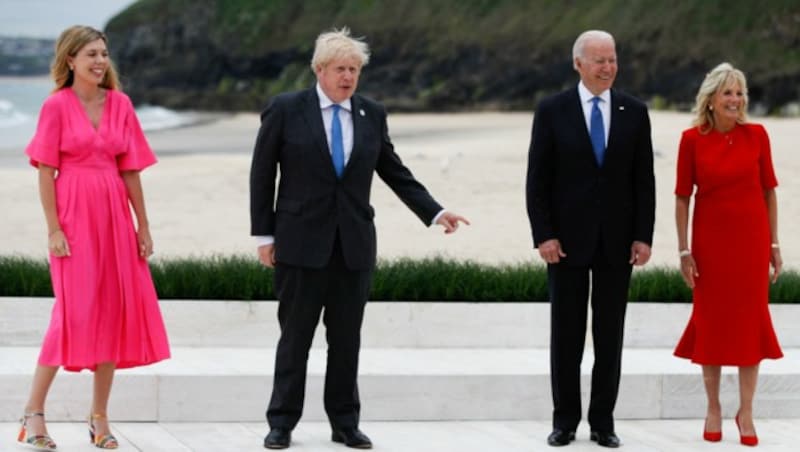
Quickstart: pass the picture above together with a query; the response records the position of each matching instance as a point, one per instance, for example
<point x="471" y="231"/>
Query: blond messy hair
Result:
<point x="337" y="44"/>
<point x="720" y="77"/>
<point x="69" y="43"/>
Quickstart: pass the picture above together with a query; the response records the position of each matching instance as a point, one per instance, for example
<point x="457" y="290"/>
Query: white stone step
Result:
<point x="232" y="384"/>
<point x="388" y="324"/>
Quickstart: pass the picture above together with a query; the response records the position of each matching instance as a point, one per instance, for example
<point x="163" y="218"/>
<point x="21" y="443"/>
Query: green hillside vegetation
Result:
<point x="451" y="54"/>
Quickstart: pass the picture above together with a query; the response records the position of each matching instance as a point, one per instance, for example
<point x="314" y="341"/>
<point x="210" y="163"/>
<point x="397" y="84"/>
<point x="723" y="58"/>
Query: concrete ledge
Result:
<point x="388" y="324"/>
<point x="419" y="361"/>
<point x="233" y="384"/>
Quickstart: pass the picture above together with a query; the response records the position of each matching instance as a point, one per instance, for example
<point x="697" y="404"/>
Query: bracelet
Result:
<point x="775" y="246"/>
<point x="684" y="253"/>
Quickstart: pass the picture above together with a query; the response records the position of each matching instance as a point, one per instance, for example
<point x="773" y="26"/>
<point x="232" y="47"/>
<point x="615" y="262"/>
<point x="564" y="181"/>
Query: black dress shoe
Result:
<point x="278" y="438"/>
<point x="560" y="437"/>
<point x="605" y="439"/>
<point x="351" y="437"/>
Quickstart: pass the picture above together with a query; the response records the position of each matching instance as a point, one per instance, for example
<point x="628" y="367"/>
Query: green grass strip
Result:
<point x="435" y="279"/>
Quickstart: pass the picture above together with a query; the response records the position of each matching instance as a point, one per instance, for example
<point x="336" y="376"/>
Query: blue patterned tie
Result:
<point x="597" y="132"/>
<point x="337" y="143"/>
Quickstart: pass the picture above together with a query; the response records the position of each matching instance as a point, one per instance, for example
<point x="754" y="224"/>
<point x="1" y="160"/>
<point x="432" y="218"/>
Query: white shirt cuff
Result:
<point x="438" y="215"/>
<point x="262" y="240"/>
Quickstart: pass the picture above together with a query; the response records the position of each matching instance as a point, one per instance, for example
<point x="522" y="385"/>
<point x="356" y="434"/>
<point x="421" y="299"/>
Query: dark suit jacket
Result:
<point x="571" y="198"/>
<point x="312" y="204"/>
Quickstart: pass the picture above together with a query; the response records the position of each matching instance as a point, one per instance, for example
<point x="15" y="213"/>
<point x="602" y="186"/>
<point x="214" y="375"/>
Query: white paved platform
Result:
<point x="419" y="362"/>
<point x="507" y="436"/>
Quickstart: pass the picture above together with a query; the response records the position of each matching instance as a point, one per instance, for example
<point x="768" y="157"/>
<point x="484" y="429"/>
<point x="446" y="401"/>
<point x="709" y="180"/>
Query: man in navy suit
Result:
<point x="317" y="228"/>
<point x="591" y="203"/>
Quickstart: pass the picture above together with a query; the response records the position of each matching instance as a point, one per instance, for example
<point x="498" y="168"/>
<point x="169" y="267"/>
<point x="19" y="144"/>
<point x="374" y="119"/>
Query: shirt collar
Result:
<point x="586" y="95"/>
<point x="325" y="101"/>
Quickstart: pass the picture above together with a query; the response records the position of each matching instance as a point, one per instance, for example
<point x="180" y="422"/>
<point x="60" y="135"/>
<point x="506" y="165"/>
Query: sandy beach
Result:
<point x="473" y="163"/>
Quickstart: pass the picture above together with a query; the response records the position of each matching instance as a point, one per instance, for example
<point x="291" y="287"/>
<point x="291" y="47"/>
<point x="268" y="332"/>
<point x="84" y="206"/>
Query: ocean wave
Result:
<point x="153" y="117"/>
<point x="10" y="116"/>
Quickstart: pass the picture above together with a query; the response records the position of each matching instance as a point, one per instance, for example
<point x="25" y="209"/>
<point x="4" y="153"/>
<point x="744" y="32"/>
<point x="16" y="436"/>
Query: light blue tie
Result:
<point x="597" y="132"/>
<point x="337" y="143"/>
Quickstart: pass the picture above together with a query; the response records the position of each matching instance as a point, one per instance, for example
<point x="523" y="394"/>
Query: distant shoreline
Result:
<point x="25" y="78"/>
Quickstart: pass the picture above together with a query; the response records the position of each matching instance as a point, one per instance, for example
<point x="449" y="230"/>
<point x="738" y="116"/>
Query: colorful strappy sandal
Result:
<point x="35" y="442"/>
<point x="101" y="441"/>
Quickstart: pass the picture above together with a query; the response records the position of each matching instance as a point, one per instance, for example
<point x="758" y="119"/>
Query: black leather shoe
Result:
<point x="278" y="438"/>
<point x="560" y="437"/>
<point x="351" y="437"/>
<point x="605" y="439"/>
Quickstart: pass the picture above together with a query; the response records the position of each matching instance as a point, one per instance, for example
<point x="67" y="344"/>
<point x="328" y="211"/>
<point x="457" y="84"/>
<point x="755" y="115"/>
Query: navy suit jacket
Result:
<point x="573" y="199"/>
<point x="312" y="204"/>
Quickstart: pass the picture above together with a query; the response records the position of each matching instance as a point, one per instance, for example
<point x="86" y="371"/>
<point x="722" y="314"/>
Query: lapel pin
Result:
<point x="622" y="107"/>
<point x="361" y="112"/>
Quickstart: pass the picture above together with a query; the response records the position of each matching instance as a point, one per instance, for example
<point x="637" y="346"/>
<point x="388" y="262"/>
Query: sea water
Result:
<point x="22" y="97"/>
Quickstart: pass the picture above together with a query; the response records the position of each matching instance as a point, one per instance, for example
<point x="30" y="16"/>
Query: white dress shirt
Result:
<point x="345" y="118"/>
<point x="604" y="105"/>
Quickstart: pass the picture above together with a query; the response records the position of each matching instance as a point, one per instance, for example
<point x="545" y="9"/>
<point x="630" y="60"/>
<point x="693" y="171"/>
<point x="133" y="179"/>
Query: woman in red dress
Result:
<point x="89" y="150"/>
<point x="726" y="162"/>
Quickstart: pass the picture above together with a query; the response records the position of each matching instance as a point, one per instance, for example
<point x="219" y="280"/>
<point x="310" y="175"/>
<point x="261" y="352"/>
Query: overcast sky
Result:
<point x="47" y="18"/>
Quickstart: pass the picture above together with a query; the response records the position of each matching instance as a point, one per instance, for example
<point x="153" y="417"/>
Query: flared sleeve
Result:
<point x="45" y="145"/>
<point x="137" y="154"/>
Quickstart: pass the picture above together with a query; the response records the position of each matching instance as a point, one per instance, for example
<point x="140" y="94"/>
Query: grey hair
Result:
<point x="338" y="44"/>
<point x="586" y="36"/>
<point x="715" y="81"/>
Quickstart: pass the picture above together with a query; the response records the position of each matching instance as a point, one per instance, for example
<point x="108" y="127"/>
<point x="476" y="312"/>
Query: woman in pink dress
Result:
<point x="89" y="149"/>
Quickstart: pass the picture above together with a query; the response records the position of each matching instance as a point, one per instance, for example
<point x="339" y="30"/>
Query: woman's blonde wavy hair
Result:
<point x="715" y="81"/>
<point x="69" y="43"/>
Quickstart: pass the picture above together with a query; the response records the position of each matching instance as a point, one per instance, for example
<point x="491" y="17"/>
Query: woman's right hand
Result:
<point x="689" y="270"/>
<point x="57" y="244"/>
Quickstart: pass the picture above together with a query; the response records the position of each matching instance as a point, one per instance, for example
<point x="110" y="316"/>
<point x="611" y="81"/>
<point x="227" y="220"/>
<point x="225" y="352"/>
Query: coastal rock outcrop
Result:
<point x="446" y="55"/>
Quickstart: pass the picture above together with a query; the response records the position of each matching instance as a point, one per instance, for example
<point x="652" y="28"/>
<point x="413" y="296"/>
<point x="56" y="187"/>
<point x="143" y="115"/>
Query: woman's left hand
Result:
<point x="145" y="242"/>
<point x="777" y="263"/>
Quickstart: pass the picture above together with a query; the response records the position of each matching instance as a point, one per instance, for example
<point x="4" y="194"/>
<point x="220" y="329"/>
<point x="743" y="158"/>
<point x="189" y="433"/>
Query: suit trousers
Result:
<point x="569" y="291"/>
<point x="303" y="293"/>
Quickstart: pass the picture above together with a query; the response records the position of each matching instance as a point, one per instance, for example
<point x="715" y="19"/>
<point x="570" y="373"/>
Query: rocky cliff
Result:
<point x="451" y="54"/>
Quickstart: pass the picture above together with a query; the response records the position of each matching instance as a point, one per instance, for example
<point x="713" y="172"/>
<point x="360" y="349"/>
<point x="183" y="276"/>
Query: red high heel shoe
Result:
<point x="747" y="440"/>
<point x="713" y="437"/>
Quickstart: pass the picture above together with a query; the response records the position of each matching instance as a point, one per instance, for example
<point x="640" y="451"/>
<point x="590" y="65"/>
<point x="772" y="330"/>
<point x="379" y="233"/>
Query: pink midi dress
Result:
<point x="106" y="307"/>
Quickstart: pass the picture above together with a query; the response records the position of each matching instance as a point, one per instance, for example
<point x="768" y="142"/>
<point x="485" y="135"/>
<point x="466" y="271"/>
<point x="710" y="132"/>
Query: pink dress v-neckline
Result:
<point x="86" y="116"/>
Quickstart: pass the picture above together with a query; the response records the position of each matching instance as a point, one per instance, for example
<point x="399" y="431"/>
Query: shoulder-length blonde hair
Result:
<point x="716" y="80"/>
<point x="69" y="43"/>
